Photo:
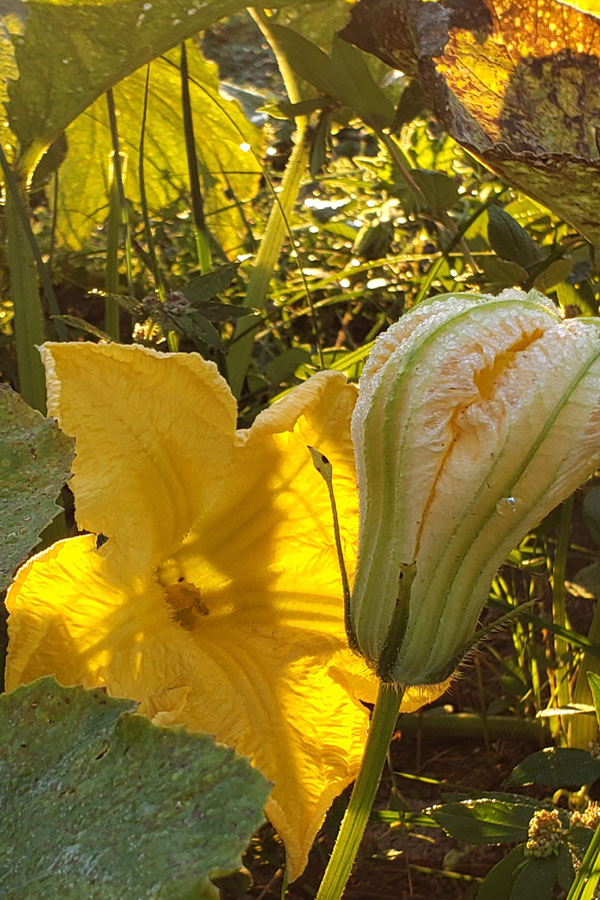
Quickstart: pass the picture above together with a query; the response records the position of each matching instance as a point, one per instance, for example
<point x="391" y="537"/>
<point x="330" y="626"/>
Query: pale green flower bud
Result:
<point x="476" y="416"/>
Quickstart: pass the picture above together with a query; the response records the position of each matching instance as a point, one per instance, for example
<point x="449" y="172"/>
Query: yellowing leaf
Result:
<point x="518" y="85"/>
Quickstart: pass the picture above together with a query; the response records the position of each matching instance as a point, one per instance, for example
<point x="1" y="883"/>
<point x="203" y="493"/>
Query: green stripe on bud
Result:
<point x="476" y="416"/>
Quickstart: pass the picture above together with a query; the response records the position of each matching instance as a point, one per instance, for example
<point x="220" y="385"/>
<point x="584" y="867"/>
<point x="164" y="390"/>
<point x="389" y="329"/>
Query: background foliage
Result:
<point x="277" y="188"/>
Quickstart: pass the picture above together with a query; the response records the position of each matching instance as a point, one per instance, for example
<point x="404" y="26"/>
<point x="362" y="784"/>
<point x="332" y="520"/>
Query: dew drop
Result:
<point x="506" y="506"/>
<point x="12" y="537"/>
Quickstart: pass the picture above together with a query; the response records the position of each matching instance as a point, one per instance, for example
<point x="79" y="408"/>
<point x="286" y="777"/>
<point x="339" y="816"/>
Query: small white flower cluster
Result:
<point x="589" y="818"/>
<point x="545" y="833"/>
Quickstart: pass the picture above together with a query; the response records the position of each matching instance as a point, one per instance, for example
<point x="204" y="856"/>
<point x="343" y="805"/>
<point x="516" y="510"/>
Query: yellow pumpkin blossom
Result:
<point x="216" y="600"/>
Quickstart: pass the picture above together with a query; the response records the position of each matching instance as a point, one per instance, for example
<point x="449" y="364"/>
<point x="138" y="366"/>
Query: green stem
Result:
<point x="354" y="822"/>
<point x="159" y="283"/>
<point x="28" y="317"/>
<point x="588" y="875"/>
<point x="559" y="609"/>
<point x="583" y="730"/>
<point x="111" y="270"/>
<point x="200" y="230"/>
<point x="113" y="230"/>
<point x="270" y="247"/>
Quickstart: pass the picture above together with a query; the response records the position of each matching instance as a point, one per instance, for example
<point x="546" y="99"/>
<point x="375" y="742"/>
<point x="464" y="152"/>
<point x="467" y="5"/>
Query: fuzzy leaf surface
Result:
<point x="99" y="803"/>
<point x="35" y="461"/>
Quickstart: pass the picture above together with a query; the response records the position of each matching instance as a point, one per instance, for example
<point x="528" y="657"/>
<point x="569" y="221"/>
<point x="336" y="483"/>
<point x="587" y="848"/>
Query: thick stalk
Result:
<point x="583" y="729"/>
<point x="354" y="822"/>
<point x="588" y="874"/>
<point x="270" y="247"/>
<point x="111" y="270"/>
<point x="28" y="317"/>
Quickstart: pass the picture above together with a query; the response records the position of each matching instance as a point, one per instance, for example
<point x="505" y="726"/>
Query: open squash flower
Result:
<point x="216" y="600"/>
<point x="476" y="416"/>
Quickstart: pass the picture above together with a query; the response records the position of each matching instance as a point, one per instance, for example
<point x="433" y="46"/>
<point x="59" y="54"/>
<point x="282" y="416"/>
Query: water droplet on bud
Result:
<point x="506" y="506"/>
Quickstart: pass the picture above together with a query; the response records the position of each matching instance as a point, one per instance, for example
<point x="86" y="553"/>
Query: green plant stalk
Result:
<point x="158" y="279"/>
<point x="201" y="234"/>
<point x="116" y="217"/>
<point x="240" y="350"/>
<point x="583" y="730"/>
<point x="385" y="715"/>
<point x="559" y="609"/>
<point x="443" y="725"/>
<point x="28" y="315"/>
<point x="266" y="260"/>
<point x="588" y="875"/>
<point x="19" y="196"/>
<point x="120" y="161"/>
<point x="111" y="272"/>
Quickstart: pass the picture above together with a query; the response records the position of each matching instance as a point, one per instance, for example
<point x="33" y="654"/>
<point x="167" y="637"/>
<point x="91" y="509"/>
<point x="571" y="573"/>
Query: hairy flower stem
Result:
<point x="385" y="715"/>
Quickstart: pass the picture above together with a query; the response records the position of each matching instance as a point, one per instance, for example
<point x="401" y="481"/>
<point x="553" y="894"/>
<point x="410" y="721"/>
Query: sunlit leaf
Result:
<point x="94" y="45"/>
<point x="35" y="460"/>
<point x="516" y="84"/>
<point x="221" y="129"/>
<point x="101" y="804"/>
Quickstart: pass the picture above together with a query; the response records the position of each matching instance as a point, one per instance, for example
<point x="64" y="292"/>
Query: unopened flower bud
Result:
<point x="476" y="416"/>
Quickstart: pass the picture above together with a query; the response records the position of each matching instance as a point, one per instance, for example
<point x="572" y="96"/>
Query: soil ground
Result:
<point x="395" y="863"/>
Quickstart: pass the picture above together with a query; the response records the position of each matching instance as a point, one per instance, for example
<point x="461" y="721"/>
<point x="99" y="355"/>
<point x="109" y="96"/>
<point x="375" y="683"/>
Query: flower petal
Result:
<point x="153" y="441"/>
<point x="76" y="615"/>
<point x="217" y="601"/>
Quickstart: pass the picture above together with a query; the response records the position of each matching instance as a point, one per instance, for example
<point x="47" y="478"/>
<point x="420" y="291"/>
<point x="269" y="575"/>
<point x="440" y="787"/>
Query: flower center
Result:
<point x="184" y="599"/>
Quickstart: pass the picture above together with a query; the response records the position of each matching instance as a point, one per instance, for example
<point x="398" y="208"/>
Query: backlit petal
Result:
<point x="217" y="599"/>
<point x="153" y="441"/>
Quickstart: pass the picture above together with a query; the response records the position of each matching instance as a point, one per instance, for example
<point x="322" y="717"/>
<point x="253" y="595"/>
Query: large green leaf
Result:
<point x="70" y="52"/>
<point x="220" y="127"/>
<point x="35" y="460"/>
<point x="517" y="84"/>
<point x="98" y="803"/>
